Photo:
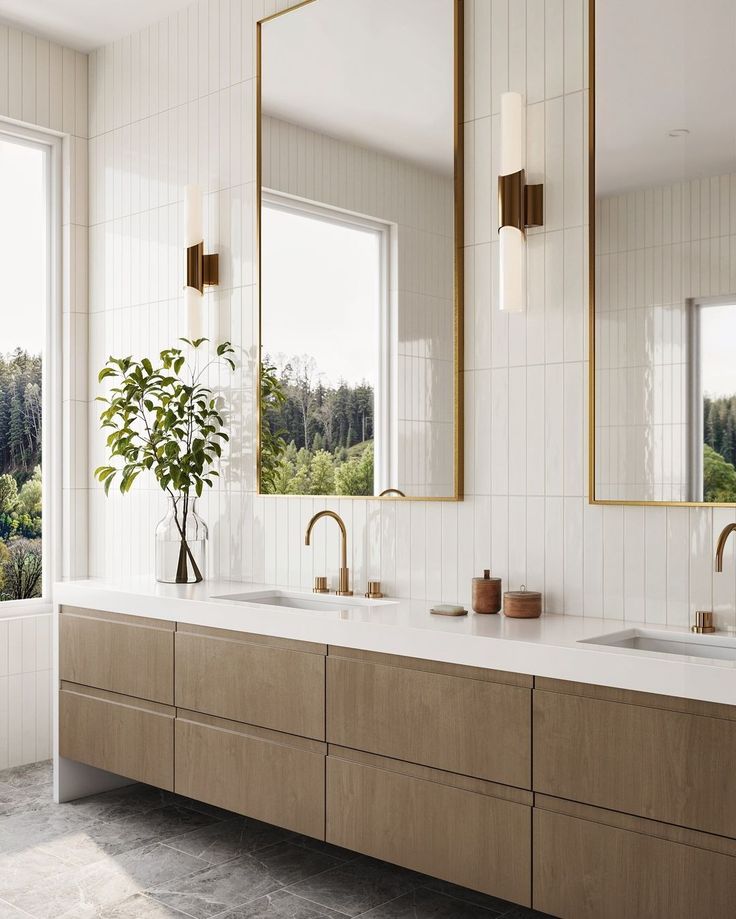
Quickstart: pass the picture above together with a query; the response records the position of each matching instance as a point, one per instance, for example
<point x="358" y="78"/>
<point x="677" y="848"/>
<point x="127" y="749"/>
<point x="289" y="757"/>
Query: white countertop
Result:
<point x="549" y="646"/>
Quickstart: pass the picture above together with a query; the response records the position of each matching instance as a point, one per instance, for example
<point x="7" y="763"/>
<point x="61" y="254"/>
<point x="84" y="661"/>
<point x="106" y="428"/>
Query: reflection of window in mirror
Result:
<point x="712" y="381"/>
<point x="327" y="350"/>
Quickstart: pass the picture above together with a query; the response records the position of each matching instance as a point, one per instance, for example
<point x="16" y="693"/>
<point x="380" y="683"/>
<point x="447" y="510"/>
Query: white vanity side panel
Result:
<point x="146" y="143"/>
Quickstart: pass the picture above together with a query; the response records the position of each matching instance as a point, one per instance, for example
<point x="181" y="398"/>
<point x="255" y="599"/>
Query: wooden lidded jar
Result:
<point x="486" y="593"/>
<point x="522" y="604"/>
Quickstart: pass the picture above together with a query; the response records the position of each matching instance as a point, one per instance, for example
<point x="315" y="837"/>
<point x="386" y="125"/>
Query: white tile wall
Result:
<point x="173" y="104"/>
<point x="45" y="86"/>
<point x="420" y="205"/>
<point x="655" y="248"/>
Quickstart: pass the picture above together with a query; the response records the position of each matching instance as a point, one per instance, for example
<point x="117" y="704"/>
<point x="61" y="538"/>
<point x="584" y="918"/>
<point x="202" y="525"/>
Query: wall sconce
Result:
<point x="519" y="206"/>
<point x="201" y="269"/>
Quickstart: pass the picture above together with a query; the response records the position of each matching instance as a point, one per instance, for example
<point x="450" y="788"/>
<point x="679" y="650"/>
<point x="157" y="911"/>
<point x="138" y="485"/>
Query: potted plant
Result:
<point x="164" y="419"/>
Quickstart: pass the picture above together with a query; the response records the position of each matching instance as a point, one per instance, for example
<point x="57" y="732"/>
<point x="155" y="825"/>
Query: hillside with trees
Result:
<point x="20" y="475"/>
<point x="315" y="438"/>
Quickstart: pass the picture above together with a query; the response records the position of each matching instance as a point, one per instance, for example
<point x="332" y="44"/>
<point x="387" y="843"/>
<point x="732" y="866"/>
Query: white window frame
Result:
<point x="695" y="390"/>
<point x="385" y="405"/>
<point x="52" y="146"/>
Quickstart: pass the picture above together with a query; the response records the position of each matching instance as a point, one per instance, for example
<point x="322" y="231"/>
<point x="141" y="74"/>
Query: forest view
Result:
<point x="20" y="475"/>
<point x="316" y="439"/>
<point x="719" y="461"/>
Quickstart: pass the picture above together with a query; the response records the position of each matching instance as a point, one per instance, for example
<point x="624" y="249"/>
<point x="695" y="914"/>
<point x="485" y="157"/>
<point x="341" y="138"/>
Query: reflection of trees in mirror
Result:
<point x="316" y="439"/>
<point x="20" y="475"/>
<point x="719" y="458"/>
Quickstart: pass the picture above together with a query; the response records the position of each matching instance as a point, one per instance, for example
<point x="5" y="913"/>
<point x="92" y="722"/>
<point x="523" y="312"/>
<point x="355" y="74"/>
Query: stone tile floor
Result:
<point x="140" y="853"/>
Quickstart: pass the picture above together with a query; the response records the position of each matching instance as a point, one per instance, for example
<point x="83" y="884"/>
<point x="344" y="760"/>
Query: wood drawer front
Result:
<point x="253" y="772"/>
<point x="468" y="726"/>
<point x="587" y="870"/>
<point x="122" y="654"/>
<point x="126" y="736"/>
<point x="255" y="683"/>
<point x="664" y="765"/>
<point x="474" y="840"/>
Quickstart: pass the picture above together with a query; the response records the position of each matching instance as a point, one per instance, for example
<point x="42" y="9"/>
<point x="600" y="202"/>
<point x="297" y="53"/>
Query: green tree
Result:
<point x="21" y="570"/>
<point x="31" y="495"/>
<point x="355" y="477"/>
<point x="322" y="474"/>
<point x="273" y="444"/>
<point x="8" y="493"/>
<point x="719" y="477"/>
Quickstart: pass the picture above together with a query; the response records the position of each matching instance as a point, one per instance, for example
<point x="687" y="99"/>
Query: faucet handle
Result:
<point x="320" y="586"/>
<point x="703" y="623"/>
<point x="374" y="590"/>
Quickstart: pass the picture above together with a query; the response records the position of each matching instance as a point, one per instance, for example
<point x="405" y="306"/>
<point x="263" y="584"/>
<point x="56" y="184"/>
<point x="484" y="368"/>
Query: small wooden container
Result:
<point x="486" y="593"/>
<point x="522" y="604"/>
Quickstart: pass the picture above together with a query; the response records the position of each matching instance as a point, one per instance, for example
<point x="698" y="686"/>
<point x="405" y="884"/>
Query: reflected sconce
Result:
<point x="201" y="269"/>
<point x="519" y="206"/>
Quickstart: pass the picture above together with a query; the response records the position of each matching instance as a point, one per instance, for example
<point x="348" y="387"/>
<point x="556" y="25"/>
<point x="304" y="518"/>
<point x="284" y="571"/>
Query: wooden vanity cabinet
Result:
<point x="651" y="756"/>
<point x="118" y="653"/>
<point x="274" y="683"/>
<point x="467" y="831"/>
<point x="465" y="720"/>
<point x="591" y="863"/>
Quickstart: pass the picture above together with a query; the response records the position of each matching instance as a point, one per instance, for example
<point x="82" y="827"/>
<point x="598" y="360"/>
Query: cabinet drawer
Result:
<point x="261" y="681"/>
<point x="430" y="825"/>
<point x="262" y="774"/>
<point x="589" y="870"/>
<point x="471" y="726"/>
<point x="666" y="765"/>
<point x="129" y="737"/>
<point x="124" y="654"/>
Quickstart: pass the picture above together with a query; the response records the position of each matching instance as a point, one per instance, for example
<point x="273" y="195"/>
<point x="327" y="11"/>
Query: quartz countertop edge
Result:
<point x="545" y="647"/>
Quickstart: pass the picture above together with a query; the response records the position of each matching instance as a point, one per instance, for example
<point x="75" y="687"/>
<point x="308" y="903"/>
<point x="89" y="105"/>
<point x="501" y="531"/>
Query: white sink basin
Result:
<point x="292" y="599"/>
<point x="715" y="647"/>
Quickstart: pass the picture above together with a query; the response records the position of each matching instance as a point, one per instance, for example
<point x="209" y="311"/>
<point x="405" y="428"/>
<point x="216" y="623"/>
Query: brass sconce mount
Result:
<point x="519" y="205"/>
<point x="201" y="269"/>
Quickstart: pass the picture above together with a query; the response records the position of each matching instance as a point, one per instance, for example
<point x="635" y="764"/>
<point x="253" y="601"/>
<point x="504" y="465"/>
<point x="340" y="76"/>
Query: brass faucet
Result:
<point x="343" y="584"/>
<point x="722" y="540"/>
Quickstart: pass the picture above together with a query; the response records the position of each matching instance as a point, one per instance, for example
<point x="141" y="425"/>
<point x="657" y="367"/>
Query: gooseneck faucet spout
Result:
<point x="343" y="588"/>
<point x="722" y="540"/>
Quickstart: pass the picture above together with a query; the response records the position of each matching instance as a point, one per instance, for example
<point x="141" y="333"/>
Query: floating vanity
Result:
<point x="529" y="760"/>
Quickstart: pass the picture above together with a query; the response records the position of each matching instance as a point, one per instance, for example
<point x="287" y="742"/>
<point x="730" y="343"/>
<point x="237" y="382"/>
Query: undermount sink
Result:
<point x="715" y="647"/>
<point x="296" y="600"/>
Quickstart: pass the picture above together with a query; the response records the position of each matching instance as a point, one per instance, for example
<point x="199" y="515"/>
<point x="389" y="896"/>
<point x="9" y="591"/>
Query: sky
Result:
<point x="23" y="227"/>
<point x="320" y="292"/>
<point x="718" y="349"/>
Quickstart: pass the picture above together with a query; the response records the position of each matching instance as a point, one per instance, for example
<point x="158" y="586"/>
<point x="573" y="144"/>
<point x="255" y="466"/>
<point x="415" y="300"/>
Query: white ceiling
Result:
<point x="663" y="65"/>
<point x="377" y="73"/>
<point x="85" y="24"/>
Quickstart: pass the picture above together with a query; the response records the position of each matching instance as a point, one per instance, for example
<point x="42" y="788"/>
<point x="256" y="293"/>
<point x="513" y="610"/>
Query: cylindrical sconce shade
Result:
<point x="512" y="270"/>
<point x="193" y="226"/>
<point x="194" y="302"/>
<point x="512" y="133"/>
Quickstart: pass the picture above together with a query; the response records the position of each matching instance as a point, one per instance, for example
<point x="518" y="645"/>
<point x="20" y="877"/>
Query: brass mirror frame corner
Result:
<point x="459" y="292"/>
<point x="592" y="499"/>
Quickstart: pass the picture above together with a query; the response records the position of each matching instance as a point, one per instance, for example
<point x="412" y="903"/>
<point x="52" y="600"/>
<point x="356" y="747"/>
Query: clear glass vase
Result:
<point x="181" y="543"/>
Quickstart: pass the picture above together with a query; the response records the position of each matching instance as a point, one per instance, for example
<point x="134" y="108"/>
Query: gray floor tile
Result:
<point x="357" y="886"/>
<point x="94" y="841"/>
<point x="492" y="904"/>
<point x="140" y="907"/>
<point x="282" y="905"/>
<point x="424" y="903"/>
<point x="32" y="774"/>
<point x="35" y="829"/>
<point x="10" y="912"/>
<point x="227" y="839"/>
<point x="29" y="869"/>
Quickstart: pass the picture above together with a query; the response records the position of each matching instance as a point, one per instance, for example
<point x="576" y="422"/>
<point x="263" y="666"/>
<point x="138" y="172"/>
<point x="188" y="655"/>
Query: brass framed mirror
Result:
<point x="662" y="204"/>
<point x="360" y="249"/>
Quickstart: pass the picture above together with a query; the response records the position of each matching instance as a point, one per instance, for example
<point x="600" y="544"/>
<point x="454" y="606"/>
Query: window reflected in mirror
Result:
<point x="663" y="252"/>
<point x="359" y="233"/>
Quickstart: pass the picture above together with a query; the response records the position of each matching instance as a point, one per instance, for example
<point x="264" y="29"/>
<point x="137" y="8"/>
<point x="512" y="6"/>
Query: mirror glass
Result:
<point x="359" y="222"/>
<point x="664" y="244"/>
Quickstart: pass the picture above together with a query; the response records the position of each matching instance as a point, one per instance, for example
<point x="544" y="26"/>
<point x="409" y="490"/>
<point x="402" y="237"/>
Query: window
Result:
<point x="26" y="268"/>
<point x="713" y="399"/>
<point x="325" y="335"/>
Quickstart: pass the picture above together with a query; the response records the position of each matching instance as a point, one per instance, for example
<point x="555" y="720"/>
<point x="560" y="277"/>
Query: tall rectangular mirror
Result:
<point x="360" y="249"/>
<point x="663" y="251"/>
